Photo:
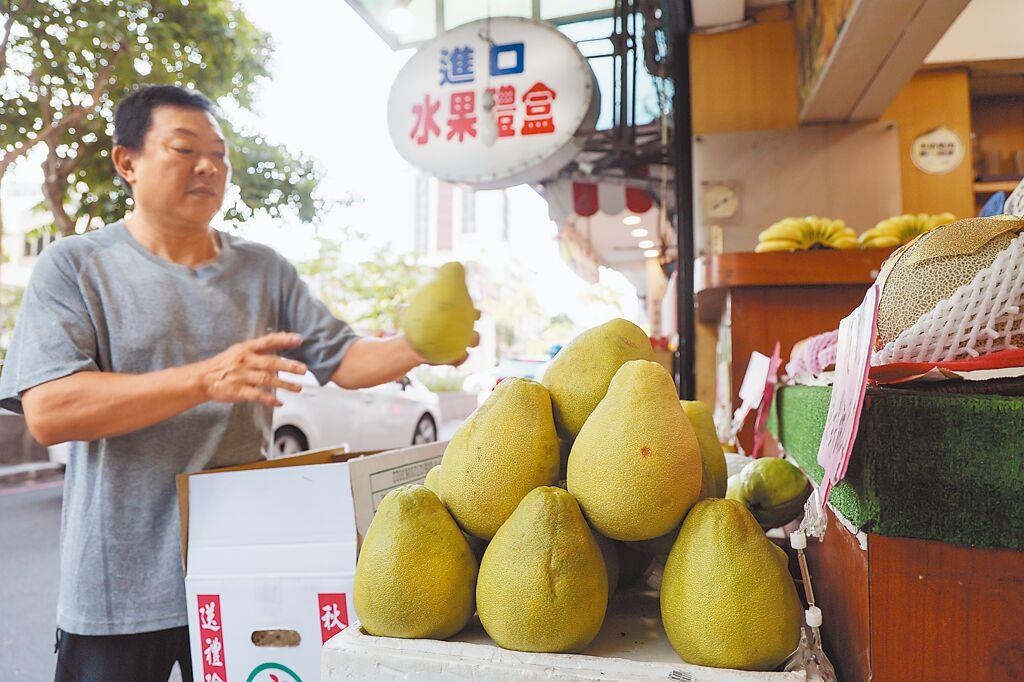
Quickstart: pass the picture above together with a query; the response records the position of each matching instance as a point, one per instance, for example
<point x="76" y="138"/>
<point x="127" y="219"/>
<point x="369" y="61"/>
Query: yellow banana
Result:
<point x="808" y="232"/>
<point x="902" y="229"/>
<point x="777" y="245"/>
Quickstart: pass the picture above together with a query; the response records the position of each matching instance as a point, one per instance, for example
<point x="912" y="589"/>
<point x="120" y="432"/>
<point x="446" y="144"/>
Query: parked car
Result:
<point x="397" y="414"/>
<point x="401" y="413"/>
<point x="482" y="383"/>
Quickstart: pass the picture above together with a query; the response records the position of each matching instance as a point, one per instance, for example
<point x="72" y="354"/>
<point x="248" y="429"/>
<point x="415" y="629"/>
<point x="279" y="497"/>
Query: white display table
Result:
<point x="631" y="646"/>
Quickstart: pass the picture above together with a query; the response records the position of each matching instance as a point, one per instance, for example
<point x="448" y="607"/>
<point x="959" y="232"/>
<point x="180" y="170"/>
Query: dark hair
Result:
<point x="134" y="115"/>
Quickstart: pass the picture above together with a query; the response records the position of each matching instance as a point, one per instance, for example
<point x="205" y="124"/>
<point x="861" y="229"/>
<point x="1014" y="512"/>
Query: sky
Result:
<point x="327" y="99"/>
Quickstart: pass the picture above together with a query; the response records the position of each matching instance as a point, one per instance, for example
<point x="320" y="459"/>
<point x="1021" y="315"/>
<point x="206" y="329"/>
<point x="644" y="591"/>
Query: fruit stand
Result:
<point x="509" y="562"/>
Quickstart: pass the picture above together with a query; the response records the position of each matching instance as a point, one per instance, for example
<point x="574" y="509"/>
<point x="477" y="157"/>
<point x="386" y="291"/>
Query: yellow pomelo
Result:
<point x="416" y="575"/>
<point x="635" y="468"/>
<point x="501" y="452"/>
<point x="439" y="320"/>
<point x="579" y="375"/>
<point x="727" y="598"/>
<point x="543" y="583"/>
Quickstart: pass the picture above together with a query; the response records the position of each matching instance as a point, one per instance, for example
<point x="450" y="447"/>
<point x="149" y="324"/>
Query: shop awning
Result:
<point x="584" y="198"/>
<point x="617" y="223"/>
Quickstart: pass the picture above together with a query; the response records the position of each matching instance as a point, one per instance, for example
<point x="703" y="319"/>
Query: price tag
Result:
<point x="752" y="387"/>
<point x="751" y="391"/>
<point x="853" y="360"/>
<point x="767" y="393"/>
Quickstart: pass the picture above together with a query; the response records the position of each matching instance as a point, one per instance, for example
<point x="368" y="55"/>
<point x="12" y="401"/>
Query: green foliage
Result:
<point x="369" y="294"/>
<point x="441" y="378"/>
<point x="68" y="62"/>
<point x="10" y="304"/>
<point x="560" y="330"/>
<point x="508" y="299"/>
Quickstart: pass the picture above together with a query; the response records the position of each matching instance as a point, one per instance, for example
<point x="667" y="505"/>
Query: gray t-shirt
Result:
<point x="103" y="302"/>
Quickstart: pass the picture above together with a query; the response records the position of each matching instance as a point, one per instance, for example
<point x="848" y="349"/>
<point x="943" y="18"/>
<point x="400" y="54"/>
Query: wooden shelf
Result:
<point x="716" y="274"/>
<point x="996" y="186"/>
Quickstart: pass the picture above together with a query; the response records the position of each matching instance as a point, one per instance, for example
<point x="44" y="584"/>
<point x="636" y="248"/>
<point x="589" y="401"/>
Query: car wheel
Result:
<point x="426" y="431"/>
<point x="288" y="440"/>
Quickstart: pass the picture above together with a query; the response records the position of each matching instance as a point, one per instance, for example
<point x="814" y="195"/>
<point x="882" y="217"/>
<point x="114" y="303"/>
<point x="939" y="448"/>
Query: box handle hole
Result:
<point x="276" y="638"/>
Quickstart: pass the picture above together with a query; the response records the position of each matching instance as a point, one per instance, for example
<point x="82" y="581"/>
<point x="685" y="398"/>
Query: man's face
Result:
<point x="182" y="169"/>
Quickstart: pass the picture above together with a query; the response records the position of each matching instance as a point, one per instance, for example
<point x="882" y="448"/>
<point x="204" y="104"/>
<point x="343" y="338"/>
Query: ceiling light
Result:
<point x="639" y="232"/>
<point x="651" y="253"/>
<point x="646" y="244"/>
<point x="401" y="20"/>
<point x="631" y="220"/>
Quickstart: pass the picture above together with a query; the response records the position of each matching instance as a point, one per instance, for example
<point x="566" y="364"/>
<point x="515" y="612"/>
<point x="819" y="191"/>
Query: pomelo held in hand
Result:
<point x="439" y="320"/>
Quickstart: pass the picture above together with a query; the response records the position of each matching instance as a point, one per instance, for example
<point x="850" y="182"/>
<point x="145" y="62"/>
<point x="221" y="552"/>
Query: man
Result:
<point x="154" y="344"/>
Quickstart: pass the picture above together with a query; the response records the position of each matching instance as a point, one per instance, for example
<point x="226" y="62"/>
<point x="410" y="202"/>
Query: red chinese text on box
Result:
<point x="211" y="637"/>
<point x="333" y="615"/>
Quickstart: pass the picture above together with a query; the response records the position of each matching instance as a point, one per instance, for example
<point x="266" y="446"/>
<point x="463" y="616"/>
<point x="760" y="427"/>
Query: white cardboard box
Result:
<point x="631" y="646"/>
<point x="270" y="556"/>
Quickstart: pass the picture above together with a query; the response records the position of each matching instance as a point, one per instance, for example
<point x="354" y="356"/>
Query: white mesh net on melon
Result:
<point x="984" y="316"/>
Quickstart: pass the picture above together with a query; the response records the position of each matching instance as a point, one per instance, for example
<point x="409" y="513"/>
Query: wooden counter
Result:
<point x="753" y="300"/>
<point x="907" y="609"/>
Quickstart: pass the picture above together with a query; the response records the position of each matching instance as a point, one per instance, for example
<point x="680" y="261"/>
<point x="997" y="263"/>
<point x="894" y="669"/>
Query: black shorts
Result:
<point x="145" y="657"/>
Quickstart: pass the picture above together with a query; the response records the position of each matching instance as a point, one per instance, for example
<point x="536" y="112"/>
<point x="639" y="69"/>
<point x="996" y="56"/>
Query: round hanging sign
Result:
<point x="493" y="103"/>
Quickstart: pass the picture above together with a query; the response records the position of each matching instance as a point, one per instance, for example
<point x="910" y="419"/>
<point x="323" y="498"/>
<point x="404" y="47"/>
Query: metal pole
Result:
<point x="682" y="135"/>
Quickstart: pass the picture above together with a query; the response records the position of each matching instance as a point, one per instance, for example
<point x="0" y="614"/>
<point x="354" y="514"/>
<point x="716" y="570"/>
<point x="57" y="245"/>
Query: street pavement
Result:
<point x="29" y="535"/>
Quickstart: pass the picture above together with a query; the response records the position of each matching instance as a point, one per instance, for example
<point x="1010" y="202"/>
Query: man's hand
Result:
<point x="247" y="371"/>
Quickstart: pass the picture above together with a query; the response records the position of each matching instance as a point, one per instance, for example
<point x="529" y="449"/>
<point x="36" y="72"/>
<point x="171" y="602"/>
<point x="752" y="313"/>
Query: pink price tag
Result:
<point x="853" y="360"/>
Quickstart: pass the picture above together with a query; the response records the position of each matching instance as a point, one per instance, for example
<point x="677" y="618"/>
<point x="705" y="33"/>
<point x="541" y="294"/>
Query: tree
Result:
<point x="10" y="303"/>
<point x="369" y="294"/>
<point x="64" y="64"/>
<point x="505" y="295"/>
<point x="560" y="330"/>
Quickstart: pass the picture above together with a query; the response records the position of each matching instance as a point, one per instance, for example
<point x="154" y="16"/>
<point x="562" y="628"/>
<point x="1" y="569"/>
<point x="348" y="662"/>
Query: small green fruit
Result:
<point x="773" y="489"/>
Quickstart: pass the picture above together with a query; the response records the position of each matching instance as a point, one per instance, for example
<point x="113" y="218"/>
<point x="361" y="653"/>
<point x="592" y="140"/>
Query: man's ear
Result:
<point x="124" y="163"/>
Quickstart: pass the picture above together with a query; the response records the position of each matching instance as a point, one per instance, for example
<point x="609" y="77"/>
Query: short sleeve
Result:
<point x="326" y="339"/>
<point x="54" y="335"/>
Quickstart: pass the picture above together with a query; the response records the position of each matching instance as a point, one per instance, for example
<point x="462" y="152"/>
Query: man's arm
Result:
<point x="371" y="362"/>
<point x="93" y="405"/>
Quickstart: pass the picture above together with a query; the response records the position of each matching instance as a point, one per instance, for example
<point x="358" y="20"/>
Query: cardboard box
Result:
<point x="269" y="551"/>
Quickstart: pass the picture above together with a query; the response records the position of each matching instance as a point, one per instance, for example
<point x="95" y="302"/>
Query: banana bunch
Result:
<point x="801" y="234"/>
<point x="901" y="229"/>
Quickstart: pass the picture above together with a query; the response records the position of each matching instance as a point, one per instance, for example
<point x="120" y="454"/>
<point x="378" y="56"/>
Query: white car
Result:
<point x="396" y="414"/>
<point x="482" y="383"/>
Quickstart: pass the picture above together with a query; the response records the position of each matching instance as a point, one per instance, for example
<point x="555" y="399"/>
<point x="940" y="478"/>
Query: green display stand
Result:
<point x="934" y="466"/>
